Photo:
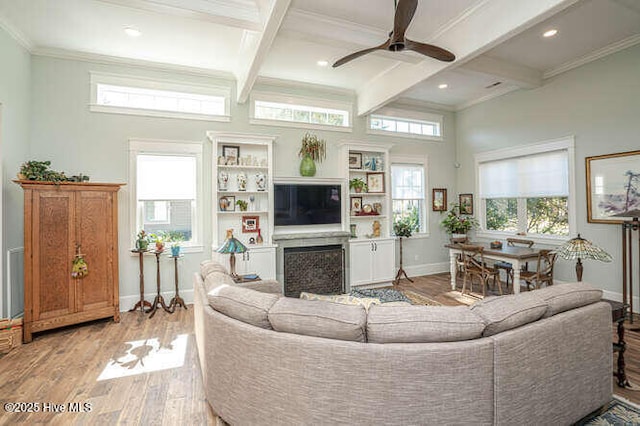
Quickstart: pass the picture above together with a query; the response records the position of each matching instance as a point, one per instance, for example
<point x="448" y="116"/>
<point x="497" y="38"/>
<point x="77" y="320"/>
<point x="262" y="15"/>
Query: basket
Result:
<point x="10" y="334"/>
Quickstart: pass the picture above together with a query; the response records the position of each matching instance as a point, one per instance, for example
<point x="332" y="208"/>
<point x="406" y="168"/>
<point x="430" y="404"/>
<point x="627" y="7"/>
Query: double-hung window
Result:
<point x="527" y="190"/>
<point x="167" y="189"/>
<point x="407" y="193"/>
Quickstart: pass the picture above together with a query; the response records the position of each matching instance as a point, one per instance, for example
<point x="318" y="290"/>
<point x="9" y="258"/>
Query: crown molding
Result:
<point x="497" y="93"/>
<point x="16" y="34"/>
<point x="138" y="63"/>
<point x="272" y="81"/>
<point x="419" y="105"/>
<point x="595" y="55"/>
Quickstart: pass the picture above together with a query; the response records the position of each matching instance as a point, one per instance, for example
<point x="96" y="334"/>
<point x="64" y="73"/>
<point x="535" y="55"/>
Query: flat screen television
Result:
<point x="301" y="204"/>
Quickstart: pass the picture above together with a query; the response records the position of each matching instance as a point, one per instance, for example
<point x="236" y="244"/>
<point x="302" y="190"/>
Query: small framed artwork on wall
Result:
<point x="439" y="199"/>
<point x="466" y="203"/>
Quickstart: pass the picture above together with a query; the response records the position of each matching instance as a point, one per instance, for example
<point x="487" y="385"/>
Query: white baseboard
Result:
<point x="128" y="302"/>
<point x="427" y="269"/>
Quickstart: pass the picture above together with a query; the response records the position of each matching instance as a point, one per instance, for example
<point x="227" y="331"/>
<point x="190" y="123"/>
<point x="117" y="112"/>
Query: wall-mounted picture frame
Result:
<point x="439" y="199"/>
<point x="231" y="153"/>
<point x="227" y="203"/>
<point x="465" y="201"/>
<point x="356" y="205"/>
<point x="355" y="160"/>
<point x="613" y="187"/>
<point x="375" y="182"/>
<point x="250" y="224"/>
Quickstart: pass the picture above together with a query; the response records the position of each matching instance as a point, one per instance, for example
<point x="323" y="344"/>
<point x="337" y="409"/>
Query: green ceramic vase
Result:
<point x="307" y="166"/>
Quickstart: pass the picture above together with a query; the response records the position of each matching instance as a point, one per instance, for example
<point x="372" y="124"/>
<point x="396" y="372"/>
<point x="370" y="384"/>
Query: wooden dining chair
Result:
<point x="508" y="267"/>
<point x="544" y="272"/>
<point x="473" y="265"/>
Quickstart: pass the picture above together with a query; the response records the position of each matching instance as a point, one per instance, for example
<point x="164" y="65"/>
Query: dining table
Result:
<point x="515" y="255"/>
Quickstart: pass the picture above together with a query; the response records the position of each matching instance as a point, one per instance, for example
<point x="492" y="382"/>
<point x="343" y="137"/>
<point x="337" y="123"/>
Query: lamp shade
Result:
<point x="231" y="244"/>
<point x="579" y="248"/>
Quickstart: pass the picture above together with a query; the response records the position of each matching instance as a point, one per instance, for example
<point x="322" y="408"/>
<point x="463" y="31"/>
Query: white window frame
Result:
<point x="397" y="114"/>
<point x="566" y="143"/>
<point x="98" y="78"/>
<point x="304" y="101"/>
<point x="165" y="147"/>
<point x="414" y="160"/>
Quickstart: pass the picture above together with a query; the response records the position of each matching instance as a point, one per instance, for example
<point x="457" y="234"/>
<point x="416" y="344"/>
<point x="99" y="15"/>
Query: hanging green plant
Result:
<point x="40" y="171"/>
<point x="313" y="147"/>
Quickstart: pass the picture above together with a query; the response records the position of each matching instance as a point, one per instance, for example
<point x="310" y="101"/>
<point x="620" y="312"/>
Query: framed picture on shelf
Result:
<point x="356" y="205"/>
<point x="250" y="223"/>
<point x="231" y="154"/>
<point x="227" y="203"/>
<point x="466" y="203"/>
<point x="439" y="199"/>
<point x="375" y="182"/>
<point x="355" y="160"/>
<point x="613" y="181"/>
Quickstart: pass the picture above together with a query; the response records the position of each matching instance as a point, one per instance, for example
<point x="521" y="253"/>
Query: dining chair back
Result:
<point x="508" y="267"/>
<point x="474" y="266"/>
<point x="544" y="272"/>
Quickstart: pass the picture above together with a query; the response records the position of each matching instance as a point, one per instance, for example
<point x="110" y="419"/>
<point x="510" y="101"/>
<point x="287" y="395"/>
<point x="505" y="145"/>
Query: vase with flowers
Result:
<point x="311" y="150"/>
<point x="457" y="224"/>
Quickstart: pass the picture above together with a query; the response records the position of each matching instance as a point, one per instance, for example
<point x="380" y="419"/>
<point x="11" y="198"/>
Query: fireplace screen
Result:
<point x="317" y="269"/>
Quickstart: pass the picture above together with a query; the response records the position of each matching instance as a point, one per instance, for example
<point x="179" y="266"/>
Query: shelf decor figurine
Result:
<point x="261" y="181"/>
<point x="242" y="181"/>
<point x="312" y="150"/>
<point x="223" y="180"/>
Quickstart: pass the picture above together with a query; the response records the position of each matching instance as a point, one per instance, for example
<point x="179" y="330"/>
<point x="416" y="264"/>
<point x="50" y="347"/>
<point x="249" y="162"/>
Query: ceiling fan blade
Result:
<point x="404" y="14"/>
<point x="430" y="50"/>
<point x="355" y="55"/>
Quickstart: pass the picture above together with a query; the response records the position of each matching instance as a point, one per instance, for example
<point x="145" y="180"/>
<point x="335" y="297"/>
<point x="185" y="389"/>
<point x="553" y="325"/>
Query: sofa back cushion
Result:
<point x="209" y="266"/>
<point x="422" y="324"/>
<point x="216" y="279"/>
<point x="319" y="318"/>
<point x="507" y="312"/>
<point x="243" y="304"/>
<point x="563" y="297"/>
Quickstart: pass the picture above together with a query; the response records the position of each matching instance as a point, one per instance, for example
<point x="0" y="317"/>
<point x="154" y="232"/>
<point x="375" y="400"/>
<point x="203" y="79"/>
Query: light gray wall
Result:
<point x="599" y="104"/>
<point x="15" y="80"/>
<point x="96" y="144"/>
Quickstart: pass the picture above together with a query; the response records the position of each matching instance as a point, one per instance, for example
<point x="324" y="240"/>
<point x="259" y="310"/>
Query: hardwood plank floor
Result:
<point x="63" y="367"/>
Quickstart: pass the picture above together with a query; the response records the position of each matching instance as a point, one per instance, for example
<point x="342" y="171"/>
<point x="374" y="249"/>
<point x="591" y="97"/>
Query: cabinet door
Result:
<point x="52" y="237"/>
<point x="361" y="263"/>
<point x="262" y="261"/>
<point x="96" y="241"/>
<point x="384" y="260"/>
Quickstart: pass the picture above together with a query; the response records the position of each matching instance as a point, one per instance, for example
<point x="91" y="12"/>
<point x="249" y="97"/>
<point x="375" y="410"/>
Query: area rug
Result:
<point x="467" y="299"/>
<point x="619" y="412"/>
<point x="387" y="295"/>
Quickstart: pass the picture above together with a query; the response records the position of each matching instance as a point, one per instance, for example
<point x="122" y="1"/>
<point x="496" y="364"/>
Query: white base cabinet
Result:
<point x="259" y="260"/>
<point x="372" y="261"/>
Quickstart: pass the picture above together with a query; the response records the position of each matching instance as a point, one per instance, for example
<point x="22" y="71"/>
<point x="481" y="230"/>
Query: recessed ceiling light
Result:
<point x="550" y="33"/>
<point x="132" y="32"/>
<point x="322" y="63"/>
<point x="443" y="86"/>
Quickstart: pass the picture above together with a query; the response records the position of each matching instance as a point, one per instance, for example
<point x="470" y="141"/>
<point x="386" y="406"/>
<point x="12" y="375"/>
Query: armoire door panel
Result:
<point x="53" y="233"/>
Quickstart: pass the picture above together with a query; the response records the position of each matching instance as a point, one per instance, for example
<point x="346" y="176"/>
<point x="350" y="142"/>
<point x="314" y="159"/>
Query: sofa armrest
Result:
<point x="264" y="286"/>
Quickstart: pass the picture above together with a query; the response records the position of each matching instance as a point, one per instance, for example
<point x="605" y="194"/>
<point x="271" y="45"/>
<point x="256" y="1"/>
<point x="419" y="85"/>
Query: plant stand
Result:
<point x="177" y="300"/>
<point x="159" y="300"/>
<point x="141" y="303"/>
<point x="401" y="271"/>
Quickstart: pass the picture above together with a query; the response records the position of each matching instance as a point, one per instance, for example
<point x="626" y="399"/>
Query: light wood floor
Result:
<point x="64" y="366"/>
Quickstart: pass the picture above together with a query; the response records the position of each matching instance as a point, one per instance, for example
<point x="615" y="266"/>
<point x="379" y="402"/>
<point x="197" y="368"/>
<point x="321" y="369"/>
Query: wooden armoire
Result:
<point x="60" y="221"/>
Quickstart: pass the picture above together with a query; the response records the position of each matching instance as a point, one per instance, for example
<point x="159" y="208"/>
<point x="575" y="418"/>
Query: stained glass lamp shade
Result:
<point x="232" y="246"/>
<point x="579" y="248"/>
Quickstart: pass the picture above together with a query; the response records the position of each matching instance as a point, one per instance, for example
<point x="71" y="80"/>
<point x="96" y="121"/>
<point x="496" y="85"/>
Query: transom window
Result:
<point x="407" y="192"/>
<point x="527" y="190"/>
<point x="399" y="125"/>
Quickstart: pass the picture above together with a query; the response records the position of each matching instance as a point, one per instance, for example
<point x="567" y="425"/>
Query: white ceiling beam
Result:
<point x="490" y="24"/>
<point x="503" y="71"/>
<point x="255" y="47"/>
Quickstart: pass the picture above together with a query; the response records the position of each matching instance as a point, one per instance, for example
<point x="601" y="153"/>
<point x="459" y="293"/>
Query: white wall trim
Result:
<point x="16" y="34"/>
<point x="593" y="56"/>
<point x="495" y="94"/>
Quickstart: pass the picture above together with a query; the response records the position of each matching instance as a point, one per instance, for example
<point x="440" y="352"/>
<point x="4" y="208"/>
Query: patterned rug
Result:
<point x="619" y="412"/>
<point x="386" y="295"/>
<point x="467" y="299"/>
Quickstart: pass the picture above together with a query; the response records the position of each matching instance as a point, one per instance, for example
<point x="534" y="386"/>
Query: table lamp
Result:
<point x="579" y="248"/>
<point x="232" y="246"/>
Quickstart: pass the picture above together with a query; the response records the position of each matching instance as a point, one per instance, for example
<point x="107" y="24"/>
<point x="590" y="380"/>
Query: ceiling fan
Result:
<point x="397" y="42"/>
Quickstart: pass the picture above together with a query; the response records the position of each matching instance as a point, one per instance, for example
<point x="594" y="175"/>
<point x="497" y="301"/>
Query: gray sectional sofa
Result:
<point x="542" y="357"/>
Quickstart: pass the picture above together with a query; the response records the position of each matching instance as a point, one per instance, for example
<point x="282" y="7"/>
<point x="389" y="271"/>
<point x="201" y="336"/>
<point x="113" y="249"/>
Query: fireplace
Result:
<point x="313" y="262"/>
<point x="317" y="269"/>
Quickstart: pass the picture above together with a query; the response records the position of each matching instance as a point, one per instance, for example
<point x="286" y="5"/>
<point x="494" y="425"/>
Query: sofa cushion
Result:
<point x="209" y="266"/>
<point x="507" y="312"/>
<point x="216" y="279"/>
<point x="422" y="324"/>
<point x="563" y="297"/>
<point x="246" y="305"/>
<point x="319" y="318"/>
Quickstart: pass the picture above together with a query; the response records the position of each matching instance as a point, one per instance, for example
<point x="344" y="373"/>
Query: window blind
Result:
<point x="538" y="175"/>
<point x="164" y="177"/>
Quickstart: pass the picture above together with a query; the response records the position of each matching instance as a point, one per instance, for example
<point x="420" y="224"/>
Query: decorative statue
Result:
<point x="223" y="180"/>
<point x="242" y="181"/>
<point x="261" y="181"/>
<point x="376" y="228"/>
